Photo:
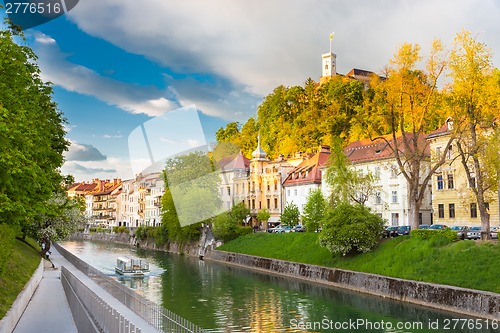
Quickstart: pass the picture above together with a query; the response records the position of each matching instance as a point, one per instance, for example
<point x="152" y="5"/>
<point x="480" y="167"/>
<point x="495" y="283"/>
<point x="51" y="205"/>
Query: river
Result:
<point x="222" y="298"/>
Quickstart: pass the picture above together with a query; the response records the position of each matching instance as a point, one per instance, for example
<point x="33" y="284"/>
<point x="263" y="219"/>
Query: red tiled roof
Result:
<point x="308" y="171"/>
<point x="367" y="150"/>
<point x="240" y="162"/>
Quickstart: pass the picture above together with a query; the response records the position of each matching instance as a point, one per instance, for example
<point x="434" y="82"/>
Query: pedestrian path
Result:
<point x="48" y="309"/>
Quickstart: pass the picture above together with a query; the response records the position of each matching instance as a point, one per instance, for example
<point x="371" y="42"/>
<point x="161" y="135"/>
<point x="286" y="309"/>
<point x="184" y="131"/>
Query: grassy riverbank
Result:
<point x="22" y="263"/>
<point x="467" y="264"/>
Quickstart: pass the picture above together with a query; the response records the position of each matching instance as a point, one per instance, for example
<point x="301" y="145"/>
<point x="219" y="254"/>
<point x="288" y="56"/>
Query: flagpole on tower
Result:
<point x="331" y="40"/>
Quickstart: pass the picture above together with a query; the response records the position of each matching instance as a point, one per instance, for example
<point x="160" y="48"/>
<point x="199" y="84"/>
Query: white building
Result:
<point x="305" y="178"/>
<point x="390" y="195"/>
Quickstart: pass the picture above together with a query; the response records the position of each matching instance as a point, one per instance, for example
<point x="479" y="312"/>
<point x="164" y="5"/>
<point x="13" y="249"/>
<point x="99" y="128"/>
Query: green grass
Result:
<point x="467" y="264"/>
<point x="22" y="264"/>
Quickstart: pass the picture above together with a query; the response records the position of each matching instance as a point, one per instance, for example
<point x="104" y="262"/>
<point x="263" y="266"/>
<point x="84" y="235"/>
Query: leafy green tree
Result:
<point x="347" y="184"/>
<point x="62" y="217"/>
<point x="228" y="225"/>
<point x="314" y="210"/>
<point x="263" y="215"/>
<point x="31" y="137"/>
<point x="290" y="215"/>
<point x="191" y="195"/>
<point x="475" y="91"/>
<point x="350" y="228"/>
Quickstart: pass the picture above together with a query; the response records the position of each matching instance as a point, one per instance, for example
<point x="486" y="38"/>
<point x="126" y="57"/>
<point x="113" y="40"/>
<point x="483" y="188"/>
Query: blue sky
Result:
<point x="115" y="64"/>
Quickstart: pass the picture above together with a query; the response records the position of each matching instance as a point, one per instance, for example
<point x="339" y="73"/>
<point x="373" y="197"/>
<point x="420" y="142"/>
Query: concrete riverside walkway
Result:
<point x="48" y="309"/>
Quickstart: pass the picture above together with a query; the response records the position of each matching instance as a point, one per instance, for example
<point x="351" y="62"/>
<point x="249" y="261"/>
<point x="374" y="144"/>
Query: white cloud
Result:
<point x="109" y="168"/>
<point x="72" y="77"/>
<point x="83" y="152"/>
<point x="257" y="45"/>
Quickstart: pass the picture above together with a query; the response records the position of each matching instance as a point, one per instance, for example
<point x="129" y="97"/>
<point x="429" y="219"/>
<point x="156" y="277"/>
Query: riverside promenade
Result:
<point x="49" y="311"/>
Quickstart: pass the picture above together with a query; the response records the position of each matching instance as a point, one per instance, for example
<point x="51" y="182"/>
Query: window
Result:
<point x="253" y="203"/>
<point x="268" y="187"/>
<point x="449" y="153"/>
<point x="276" y="203"/>
<point x="288" y="193"/>
<point x="438" y="152"/>
<point x="451" y="185"/>
<point x="394" y="174"/>
<point x="377" y="173"/>
<point x="395" y="218"/>
<point x="394" y="198"/>
<point x="228" y="190"/>
<point x="268" y="204"/>
<point x="295" y="192"/>
<point x="451" y="208"/>
<point x="487" y="206"/>
<point x="378" y="198"/>
<point x="472" y="181"/>
<point x="473" y="210"/>
<point x="441" y="211"/>
<point x="440" y="182"/>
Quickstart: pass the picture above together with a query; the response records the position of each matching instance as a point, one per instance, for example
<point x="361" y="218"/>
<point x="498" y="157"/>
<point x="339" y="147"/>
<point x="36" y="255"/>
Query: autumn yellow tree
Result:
<point x="408" y="102"/>
<point x="474" y="93"/>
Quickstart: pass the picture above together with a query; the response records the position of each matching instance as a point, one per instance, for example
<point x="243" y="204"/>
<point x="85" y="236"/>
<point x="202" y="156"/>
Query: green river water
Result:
<point x="223" y="298"/>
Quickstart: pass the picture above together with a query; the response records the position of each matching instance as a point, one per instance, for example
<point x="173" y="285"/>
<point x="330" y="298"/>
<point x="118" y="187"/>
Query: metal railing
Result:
<point x="159" y="317"/>
<point x="103" y="318"/>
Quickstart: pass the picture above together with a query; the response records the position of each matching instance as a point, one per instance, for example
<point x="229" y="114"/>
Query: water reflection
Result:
<point x="223" y="298"/>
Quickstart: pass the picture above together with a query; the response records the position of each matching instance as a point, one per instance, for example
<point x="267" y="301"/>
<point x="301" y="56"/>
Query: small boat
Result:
<point x="134" y="267"/>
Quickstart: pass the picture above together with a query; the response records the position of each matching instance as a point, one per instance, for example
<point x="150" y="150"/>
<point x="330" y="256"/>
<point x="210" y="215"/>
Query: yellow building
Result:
<point x="261" y="187"/>
<point x="453" y="201"/>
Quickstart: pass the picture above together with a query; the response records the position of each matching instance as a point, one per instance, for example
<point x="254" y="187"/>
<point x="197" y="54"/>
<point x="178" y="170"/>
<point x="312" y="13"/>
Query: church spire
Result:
<point x="259" y="153"/>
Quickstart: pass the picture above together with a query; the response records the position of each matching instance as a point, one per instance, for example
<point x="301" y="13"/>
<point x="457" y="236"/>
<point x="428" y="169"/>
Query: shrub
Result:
<point x="350" y="228"/>
<point x="437" y="237"/>
<point x="140" y="233"/>
<point x="241" y="231"/>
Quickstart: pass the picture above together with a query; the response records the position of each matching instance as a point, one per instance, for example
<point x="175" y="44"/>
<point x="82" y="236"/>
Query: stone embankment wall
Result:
<point x="190" y="249"/>
<point x="465" y="301"/>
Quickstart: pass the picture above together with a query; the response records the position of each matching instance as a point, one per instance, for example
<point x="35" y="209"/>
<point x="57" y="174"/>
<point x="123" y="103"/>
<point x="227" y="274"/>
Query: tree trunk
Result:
<point x="45" y="247"/>
<point x="413" y="213"/>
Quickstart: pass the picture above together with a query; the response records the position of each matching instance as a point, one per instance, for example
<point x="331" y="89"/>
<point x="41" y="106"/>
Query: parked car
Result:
<point x="460" y="230"/>
<point x="438" y="227"/>
<point x="298" y="228"/>
<point x="283" y="229"/>
<point x="272" y="230"/>
<point x="404" y="230"/>
<point x="391" y="231"/>
<point x="424" y="226"/>
<point x="474" y="233"/>
<point x="494" y="232"/>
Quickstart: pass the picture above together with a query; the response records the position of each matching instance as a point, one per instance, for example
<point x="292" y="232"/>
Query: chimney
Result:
<point x="324" y="149"/>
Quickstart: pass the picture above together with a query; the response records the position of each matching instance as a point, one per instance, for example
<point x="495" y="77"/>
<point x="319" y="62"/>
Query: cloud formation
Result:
<point x="132" y="98"/>
<point x="257" y="45"/>
<point x="83" y="152"/>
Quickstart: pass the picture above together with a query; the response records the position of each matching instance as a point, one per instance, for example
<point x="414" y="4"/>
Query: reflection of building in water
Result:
<point x="266" y="312"/>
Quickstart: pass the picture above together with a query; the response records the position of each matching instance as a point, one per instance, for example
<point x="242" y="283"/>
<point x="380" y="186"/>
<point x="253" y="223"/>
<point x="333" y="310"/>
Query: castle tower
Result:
<point x="329" y="64"/>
